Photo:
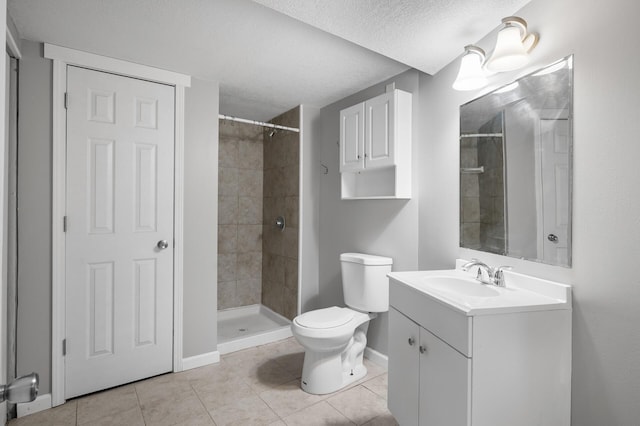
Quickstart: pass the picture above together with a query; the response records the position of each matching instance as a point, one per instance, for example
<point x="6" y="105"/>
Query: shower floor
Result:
<point x="247" y="326"/>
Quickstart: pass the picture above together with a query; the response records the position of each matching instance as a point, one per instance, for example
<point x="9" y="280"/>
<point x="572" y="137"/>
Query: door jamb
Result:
<point x="62" y="57"/>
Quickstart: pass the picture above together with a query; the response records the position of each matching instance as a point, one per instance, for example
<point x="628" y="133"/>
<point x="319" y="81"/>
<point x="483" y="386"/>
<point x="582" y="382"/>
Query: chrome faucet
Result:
<point x="495" y="276"/>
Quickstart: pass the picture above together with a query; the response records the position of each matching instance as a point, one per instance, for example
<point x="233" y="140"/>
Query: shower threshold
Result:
<point x="248" y="326"/>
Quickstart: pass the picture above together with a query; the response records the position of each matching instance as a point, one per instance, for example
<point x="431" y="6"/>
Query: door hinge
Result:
<point x="66" y="100"/>
<point x="64" y="347"/>
<point x="64" y="224"/>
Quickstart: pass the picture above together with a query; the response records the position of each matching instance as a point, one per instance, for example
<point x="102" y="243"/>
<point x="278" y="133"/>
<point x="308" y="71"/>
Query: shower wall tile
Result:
<point x="227" y="267"/>
<point x="273" y="239"/>
<point x="281" y="198"/>
<point x="291" y="275"/>
<point x="292" y="156"/>
<point x="250" y="153"/>
<point x="227" y="210"/>
<point x="226" y="294"/>
<point x="290" y="178"/>
<point x="227" y="238"/>
<point x="273" y="268"/>
<point x="290" y="243"/>
<point x="290" y="303"/>
<point x="272" y="208"/>
<point x="249" y="292"/>
<point x="471" y="209"/>
<point x="471" y="235"/>
<point x="227" y="181"/>
<point x="240" y="212"/>
<point x="249" y="238"/>
<point x="469" y="186"/>
<point x="249" y="183"/>
<point x="227" y="153"/>
<point x="242" y="131"/>
<point x="249" y="266"/>
<point x="250" y="210"/>
<point x="291" y="211"/>
<point x="273" y="295"/>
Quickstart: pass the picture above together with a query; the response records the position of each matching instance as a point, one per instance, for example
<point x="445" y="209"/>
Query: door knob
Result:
<point x="553" y="238"/>
<point x="423" y="349"/>
<point x="411" y="341"/>
<point x="162" y="244"/>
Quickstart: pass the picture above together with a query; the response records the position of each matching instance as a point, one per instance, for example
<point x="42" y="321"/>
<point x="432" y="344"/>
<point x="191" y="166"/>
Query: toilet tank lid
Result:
<point x="365" y="259"/>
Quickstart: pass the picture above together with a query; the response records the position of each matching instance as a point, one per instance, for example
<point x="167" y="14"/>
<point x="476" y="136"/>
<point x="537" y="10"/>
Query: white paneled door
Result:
<point x="554" y="136"/>
<point x="119" y="230"/>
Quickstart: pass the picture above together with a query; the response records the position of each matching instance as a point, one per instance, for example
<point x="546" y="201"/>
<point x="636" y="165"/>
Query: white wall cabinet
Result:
<point x="375" y="147"/>
<point x="450" y="369"/>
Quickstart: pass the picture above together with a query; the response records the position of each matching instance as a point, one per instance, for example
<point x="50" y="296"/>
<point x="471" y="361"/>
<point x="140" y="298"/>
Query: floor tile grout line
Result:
<point x="202" y="403"/>
<point x="135" y="389"/>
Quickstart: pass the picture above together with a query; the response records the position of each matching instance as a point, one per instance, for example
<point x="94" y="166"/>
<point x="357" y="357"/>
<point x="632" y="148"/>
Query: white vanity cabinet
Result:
<point x="375" y="147"/>
<point x="499" y="367"/>
<point x="428" y="379"/>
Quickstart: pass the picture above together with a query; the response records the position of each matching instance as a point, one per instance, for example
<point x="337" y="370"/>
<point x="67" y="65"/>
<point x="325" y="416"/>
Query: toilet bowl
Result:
<point x="335" y="338"/>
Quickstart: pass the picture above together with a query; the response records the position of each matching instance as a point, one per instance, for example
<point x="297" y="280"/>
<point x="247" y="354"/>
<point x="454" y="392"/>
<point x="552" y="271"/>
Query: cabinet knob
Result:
<point x="411" y="341"/>
<point x="423" y="349"/>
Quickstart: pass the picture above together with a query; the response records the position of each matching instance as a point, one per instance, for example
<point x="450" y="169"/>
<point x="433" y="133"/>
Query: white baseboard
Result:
<point x="42" y="402"/>
<point x="376" y="357"/>
<point x="200" y="360"/>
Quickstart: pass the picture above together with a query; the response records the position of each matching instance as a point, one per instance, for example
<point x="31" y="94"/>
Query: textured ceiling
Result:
<point x="425" y="34"/>
<point x="272" y="56"/>
<point x="266" y="62"/>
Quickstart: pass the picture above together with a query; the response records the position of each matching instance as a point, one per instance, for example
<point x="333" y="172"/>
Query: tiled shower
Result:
<point x="258" y="181"/>
<point x="482" y="207"/>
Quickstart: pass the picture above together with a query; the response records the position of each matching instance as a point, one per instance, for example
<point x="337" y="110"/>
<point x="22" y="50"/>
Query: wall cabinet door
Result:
<point x="404" y="336"/>
<point x="444" y="383"/>
<point x="380" y="131"/>
<point x="352" y="138"/>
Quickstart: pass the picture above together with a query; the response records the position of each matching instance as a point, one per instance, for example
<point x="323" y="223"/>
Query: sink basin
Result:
<point x="459" y="290"/>
<point x="460" y="285"/>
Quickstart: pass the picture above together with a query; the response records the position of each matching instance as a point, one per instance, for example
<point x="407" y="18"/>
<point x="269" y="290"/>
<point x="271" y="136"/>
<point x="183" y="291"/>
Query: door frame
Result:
<point x="62" y="57"/>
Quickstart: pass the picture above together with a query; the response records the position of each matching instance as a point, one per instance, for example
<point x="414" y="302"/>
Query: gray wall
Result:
<point x="33" y="344"/>
<point x="34" y="217"/>
<point x="310" y="176"/>
<point x="606" y="201"/>
<point x="200" y="332"/>
<point x="381" y="227"/>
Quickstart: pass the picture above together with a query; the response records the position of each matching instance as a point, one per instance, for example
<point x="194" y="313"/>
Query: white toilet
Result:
<point x="335" y="338"/>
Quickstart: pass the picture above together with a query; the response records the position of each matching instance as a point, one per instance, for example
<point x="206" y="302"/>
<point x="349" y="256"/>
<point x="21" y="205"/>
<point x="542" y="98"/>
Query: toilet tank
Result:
<point x="364" y="281"/>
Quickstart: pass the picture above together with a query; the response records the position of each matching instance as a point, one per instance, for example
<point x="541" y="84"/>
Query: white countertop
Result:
<point x="521" y="293"/>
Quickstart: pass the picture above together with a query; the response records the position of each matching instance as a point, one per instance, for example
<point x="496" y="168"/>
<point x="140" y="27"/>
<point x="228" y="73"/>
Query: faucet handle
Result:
<point x="498" y="275"/>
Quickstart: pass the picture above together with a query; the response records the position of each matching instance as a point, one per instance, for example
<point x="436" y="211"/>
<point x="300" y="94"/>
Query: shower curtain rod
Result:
<point x="258" y="123"/>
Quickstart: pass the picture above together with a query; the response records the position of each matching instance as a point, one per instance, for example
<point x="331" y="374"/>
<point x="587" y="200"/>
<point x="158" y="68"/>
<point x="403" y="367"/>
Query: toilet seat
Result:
<point x="325" y="318"/>
<point x="348" y="320"/>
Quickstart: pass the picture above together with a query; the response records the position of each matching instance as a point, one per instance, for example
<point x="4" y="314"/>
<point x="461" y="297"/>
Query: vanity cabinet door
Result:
<point x="379" y="139"/>
<point x="352" y="138"/>
<point x="404" y="386"/>
<point x="445" y="391"/>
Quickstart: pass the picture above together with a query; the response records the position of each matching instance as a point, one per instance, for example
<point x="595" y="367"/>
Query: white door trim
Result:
<point x="62" y="57"/>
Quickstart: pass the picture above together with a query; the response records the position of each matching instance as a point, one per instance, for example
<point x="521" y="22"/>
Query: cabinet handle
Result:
<point x="411" y="341"/>
<point x="423" y="349"/>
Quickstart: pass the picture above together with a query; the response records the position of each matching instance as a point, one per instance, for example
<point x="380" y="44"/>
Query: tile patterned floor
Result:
<point x="257" y="386"/>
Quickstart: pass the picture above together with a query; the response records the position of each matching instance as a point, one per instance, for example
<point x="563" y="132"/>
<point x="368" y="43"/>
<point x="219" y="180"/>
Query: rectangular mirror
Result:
<point x="516" y="168"/>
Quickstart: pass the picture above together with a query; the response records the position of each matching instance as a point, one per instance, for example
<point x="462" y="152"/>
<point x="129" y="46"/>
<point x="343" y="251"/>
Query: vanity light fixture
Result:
<point x="512" y="46"/>
<point x="471" y="75"/>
